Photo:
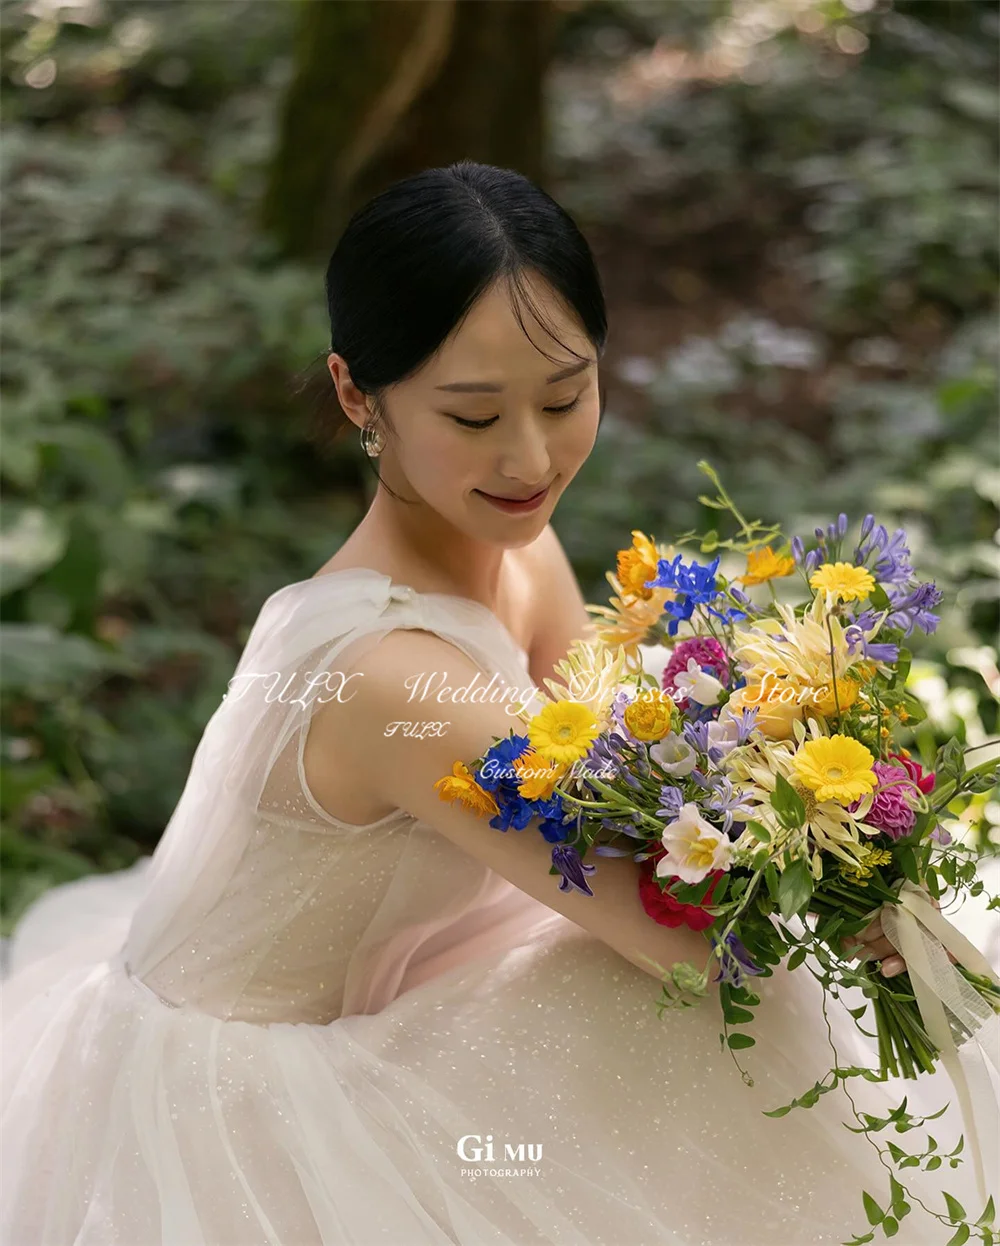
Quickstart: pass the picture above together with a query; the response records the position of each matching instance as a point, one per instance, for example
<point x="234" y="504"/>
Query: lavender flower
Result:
<point x="672" y="799"/>
<point x="735" y="962"/>
<point x="570" y="865"/>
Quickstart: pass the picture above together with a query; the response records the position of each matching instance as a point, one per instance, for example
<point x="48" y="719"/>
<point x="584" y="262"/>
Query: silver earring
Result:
<point x="372" y="439"/>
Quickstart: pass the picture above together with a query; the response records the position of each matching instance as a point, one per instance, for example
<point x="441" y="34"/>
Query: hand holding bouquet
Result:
<point x="758" y="786"/>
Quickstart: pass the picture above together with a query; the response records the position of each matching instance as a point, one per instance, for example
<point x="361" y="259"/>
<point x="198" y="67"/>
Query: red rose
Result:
<point x="916" y="772"/>
<point x="664" y="909"/>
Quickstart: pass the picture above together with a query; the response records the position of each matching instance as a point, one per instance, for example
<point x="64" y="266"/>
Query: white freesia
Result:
<point x="698" y="685"/>
<point x="674" y="755"/>
<point x="694" y="847"/>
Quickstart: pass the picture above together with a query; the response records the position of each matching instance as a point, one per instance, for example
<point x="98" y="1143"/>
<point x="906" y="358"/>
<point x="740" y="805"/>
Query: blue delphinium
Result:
<point x="695" y="585"/>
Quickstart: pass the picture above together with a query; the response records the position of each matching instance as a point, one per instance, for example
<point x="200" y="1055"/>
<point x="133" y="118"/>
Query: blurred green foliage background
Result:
<point x="794" y="207"/>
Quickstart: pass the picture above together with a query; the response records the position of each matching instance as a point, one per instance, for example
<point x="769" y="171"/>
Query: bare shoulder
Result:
<point x="402" y="723"/>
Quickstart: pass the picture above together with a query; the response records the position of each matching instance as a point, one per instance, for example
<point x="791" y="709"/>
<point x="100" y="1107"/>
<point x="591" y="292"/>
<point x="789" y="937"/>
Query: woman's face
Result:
<point x="489" y="417"/>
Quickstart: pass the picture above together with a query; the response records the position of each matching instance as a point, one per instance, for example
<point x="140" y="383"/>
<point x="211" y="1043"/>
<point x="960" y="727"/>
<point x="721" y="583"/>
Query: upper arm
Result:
<point x="559" y="614"/>
<point x="406" y="769"/>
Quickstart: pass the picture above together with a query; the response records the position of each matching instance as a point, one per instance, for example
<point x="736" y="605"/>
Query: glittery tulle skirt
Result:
<point x="530" y="1096"/>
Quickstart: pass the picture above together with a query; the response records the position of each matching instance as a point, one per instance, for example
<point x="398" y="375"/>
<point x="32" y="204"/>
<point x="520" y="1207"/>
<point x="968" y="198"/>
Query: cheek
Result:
<point x="576" y="440"/>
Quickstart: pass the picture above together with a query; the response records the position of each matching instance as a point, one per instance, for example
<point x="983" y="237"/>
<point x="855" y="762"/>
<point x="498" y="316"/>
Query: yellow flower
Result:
<point x="765" y="564"/>
<point x="648" y="716"/>
<point x="537" y="775"/>
<point x="638" y="564"/>
<point x="461" y="785"/>
<point x="590" y="674"/>
<point x="563" y="731"/>
<point x="824" y="702"/>
<point x="628" y="619"/>
<point x="843" y="581"/>
<point x="836" y="767"/>
<point x="776" y="702"/>
<point x="870" y="857"/>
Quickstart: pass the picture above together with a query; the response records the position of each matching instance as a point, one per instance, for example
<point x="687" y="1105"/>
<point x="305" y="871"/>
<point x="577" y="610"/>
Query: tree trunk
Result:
<point x="385" y="88"/>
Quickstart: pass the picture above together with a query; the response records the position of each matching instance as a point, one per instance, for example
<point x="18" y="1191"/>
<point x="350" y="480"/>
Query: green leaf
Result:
<point x="874" y="1213"/>
<point x="955" y="1208"/>
<point x="737" y="1016"/>
<point x="758" y="831"/>
<point x="796" y="958"/>
<point x="795" y="889"/>
<point x="988" y="1214"/>
<point x="739" y="1041"/>
<point x="960" y="1236"/>
<point x="932" y="1163"/>
<point x="890" y="1227"/>
<point x="787" y="803"/>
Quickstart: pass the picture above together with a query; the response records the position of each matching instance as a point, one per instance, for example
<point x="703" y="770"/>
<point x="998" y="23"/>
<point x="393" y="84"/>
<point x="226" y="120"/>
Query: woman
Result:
<point x="338" y="1010"/>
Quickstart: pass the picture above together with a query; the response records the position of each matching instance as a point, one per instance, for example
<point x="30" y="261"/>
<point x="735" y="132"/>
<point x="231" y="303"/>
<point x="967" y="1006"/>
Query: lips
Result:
<point x="502" y="497"/>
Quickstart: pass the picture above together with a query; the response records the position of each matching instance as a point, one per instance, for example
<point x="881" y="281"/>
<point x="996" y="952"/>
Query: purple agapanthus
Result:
<point x="671" y="802"/>
<point x="570" y="865"/>
<point x="722" y="800"/>
<point x="890" y="555"/>
<point x="870" y="650"/>
<point x="735" y="962"/>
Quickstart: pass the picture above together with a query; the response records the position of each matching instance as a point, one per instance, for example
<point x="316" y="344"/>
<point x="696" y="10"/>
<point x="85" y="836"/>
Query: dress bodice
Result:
<point x="311" y="917"/>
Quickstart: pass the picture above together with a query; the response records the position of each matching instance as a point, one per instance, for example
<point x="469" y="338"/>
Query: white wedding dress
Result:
<point x="284" y="1030"/>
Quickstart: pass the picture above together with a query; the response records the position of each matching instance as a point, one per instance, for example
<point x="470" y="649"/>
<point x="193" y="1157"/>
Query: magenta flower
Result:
<point x="709" y="655"/>
<point x="891" y="810"/>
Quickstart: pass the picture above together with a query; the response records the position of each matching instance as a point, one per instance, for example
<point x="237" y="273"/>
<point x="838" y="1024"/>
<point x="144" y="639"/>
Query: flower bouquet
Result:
<point x="757" y="784"/>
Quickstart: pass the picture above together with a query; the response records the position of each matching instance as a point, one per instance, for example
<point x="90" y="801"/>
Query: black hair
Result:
<point x="412" y="261"/>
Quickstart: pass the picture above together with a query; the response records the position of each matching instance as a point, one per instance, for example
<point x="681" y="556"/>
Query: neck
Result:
<point x="435" y="552"/>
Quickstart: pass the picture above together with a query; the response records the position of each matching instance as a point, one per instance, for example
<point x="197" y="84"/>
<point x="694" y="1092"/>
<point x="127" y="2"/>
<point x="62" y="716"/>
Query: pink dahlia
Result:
<point x="707" y="652"/>
<point x="891" y="811"/>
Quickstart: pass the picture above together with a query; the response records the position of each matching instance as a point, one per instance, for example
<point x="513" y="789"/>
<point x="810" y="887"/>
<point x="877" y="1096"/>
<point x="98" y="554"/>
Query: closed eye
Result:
<point x="565" y="410"/>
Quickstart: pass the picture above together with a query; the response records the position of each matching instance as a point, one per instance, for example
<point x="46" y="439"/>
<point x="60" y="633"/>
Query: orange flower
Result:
<point x="537" y="775"/>
<point x="461" y="785"/>
<point x="636" y="565"/>
<point x="765" y="564"/>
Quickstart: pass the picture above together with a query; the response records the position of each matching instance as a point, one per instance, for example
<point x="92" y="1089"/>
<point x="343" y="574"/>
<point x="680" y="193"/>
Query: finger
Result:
<point x="872" y="931"/>
<point x="893" y="965"/>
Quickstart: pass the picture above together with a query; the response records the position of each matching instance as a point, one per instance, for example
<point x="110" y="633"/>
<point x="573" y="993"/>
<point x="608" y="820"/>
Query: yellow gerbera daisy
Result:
<point x="843" y="581"/>
<point x="637" y="565"/>
<point x="765" y="564"/>
<point x="836" y="767"/>
<point x="648" y="716"/>
<point x="537" y="775"/>
<point x="563" y="731"/>
<point x="461" y="785"/>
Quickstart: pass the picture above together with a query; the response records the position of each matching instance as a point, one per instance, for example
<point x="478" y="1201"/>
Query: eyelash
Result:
<point x="487" y="423"/>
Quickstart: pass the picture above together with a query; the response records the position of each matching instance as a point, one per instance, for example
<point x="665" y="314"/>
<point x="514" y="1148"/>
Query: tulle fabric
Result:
<point x="284" y="1029"/>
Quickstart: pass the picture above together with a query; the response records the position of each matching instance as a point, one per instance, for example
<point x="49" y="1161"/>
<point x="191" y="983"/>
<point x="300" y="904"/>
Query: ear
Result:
<point x="353" y="401"/>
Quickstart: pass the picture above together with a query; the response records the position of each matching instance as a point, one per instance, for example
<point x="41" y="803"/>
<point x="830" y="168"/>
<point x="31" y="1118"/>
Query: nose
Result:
<point x="525" y="459"/>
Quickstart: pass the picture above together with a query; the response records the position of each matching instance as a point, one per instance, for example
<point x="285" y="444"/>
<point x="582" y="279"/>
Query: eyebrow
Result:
<point x="484" y="387"/>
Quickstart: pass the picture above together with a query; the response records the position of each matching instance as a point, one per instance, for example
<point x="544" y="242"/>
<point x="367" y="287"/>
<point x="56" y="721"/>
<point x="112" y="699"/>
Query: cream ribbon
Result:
<point x="922" y="936"/>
